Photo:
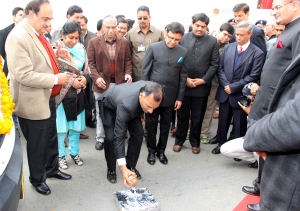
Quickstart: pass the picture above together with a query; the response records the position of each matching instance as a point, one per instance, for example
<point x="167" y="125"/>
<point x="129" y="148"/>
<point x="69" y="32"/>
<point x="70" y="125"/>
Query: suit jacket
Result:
<point x="89" y="35"/>
<point x="277" y="133"/>
<point x="30" y="71"/>
<point x="277" y="61"/>
<point x="120" y="105"/>
<point x="99" y="61"/>
<point x="257" y="38"/>
<point x="3" y="36"/>
<point x="203" y="61"/>
<point x="167" y="67"/>
<point x="247" y="71"/>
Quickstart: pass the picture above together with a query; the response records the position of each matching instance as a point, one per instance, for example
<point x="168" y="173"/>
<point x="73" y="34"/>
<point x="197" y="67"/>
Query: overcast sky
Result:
<point x="162" y="12"/>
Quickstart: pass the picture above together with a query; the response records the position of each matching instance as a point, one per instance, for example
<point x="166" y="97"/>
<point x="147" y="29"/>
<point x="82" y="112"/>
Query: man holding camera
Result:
<point x="240" y="64"/>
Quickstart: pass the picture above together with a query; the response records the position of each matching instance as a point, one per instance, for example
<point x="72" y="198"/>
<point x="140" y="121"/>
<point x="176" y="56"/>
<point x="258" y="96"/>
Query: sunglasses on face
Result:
<point x="144" y="18"/>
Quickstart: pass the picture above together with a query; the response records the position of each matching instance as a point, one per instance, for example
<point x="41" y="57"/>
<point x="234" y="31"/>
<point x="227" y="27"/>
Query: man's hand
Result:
<point x="190" y="83"/>
<point x="254" y="88"/>
<point x="63" y="78"/>
<point x="143" y="121"/>
<point x="227" y="89"/>
<point x="130" y="178"/>
<point x="246" y="109"/>
<point x="63" y="53"/>
<point x="100" y="83"/>
<point x="128" y="78"/>
<point x="262" y="154"/>
<point x="198" y="81"/>
<point x="177" y="105"/>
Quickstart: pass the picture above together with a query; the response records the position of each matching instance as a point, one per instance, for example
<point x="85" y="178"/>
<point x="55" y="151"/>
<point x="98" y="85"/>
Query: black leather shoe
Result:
<point x="214" y="140"/>
<point x="111" y="176"/>
<point x="162" y="158"/>
<point x="250" y="190"/>
<point x="253" y="207"/>
<point x="134" y="170"/>
<point x="151" y="158"/>
<point x="253" y="165"/>
<point x="43" y="189"/>
<point x="91" y="124"/>
<point x="61" y="175"/>
<point x="237" y="159"/>
<point x="99" y="145"/>
<point x="216" y="150"/>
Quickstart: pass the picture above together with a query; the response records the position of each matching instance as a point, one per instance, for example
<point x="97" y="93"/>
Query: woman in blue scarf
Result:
<point x="71" y="103"/>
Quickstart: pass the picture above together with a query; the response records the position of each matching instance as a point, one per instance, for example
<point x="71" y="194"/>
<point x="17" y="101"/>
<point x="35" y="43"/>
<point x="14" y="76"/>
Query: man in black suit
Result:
<point x="122" y="108"/>
<point x="202" y="65"/>
<point x="240" y="64"/>
<point x="241" y="13"/>
<point x="17" y="15"/>
<point x="165" y="62"/>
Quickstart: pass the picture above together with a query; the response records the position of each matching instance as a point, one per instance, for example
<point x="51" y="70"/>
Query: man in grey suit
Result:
<point x="165" y="62"/>
<point x="276" y="138"/>
<point x="122" y="108"/>
<point x="203" y="62"/>
<point x="34" y="82"/>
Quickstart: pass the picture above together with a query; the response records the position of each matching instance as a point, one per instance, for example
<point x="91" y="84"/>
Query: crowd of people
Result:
<point x="131" y="82"/>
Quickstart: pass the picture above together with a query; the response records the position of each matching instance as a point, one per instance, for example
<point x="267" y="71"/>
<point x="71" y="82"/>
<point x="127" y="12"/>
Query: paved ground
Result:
<point x="189" y="182"/>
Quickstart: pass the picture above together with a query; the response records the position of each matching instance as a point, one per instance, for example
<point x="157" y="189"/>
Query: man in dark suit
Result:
<point x="276" y="138"/>
<point x="122" y="108"/>
<point x="110" y="63"/>
<point x="241" y="13"/>
<point x="165" y="62"/>
<point x="240" y="64"/>
<point x="203" y="62"/>
<point x="17" y="15"/>
<point x="285" y="50"/>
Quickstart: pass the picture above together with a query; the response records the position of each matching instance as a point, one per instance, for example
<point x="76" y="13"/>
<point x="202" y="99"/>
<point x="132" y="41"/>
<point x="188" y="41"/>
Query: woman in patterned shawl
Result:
<point x="72" y="100"/>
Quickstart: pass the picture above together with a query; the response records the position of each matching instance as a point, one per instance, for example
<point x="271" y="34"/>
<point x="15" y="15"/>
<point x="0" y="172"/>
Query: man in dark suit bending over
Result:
<point x="121" y="108"/>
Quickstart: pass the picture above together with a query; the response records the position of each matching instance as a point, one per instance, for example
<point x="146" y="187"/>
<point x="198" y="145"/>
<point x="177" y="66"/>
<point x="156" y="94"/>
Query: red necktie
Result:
<point x="241" y="49"/>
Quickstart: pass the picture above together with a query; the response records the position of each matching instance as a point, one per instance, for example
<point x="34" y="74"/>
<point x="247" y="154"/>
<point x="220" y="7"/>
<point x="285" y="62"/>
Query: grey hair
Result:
<point x="245" y="24"/>
<point x="152" y="88"/>
<point x="271" y="21"/>
<point x="108" y="18"/>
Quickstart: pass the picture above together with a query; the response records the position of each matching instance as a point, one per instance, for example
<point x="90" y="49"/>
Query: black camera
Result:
<point x="247" y="97"/>
<point x="246" y="100"/>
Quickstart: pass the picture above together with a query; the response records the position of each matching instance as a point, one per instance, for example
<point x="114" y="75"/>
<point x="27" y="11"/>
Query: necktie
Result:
<point x="241" y="49"/>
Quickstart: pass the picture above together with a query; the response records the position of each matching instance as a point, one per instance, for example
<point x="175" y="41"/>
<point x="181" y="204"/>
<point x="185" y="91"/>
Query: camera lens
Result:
<point x="245" y="101"/>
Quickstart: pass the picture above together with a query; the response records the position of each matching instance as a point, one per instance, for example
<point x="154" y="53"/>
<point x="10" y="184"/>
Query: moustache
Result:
<point x="46" y="26"/>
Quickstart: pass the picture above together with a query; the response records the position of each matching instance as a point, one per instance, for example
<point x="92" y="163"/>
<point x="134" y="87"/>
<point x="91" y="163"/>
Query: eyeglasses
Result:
<point x="173" y="38"/>
<point x="110" y="27"/>
<point x="279" y="30"/>
<point x="122" y="28"/>
<point x="144" y="18"/>
<point x="278" y="7"/>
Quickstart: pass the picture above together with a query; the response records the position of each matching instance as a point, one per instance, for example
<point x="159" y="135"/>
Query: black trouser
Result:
<point x="165" y="114"/>
<point x="136" y="132"/>
<point x="226" y="112"/>
<point x="193" y="107"/>
<point x="42" y="146"/>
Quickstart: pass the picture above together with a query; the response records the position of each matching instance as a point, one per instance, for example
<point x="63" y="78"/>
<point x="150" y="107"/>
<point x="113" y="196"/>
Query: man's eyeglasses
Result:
<point x="110" y="27"/>
<point x="173" y="38"/>
<point x="278" y="7"/>
<point x="279" y="30"/>
<point x="144" y="18"/>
